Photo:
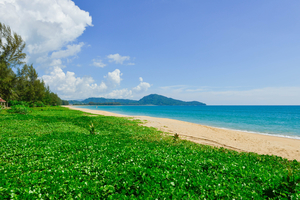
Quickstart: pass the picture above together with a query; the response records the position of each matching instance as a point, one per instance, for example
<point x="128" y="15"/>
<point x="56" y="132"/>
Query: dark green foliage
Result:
<point x="55" y="100"/>
<point x="37" y="104"/>
<point x="286" y="187"/>
<point x="7" y="82"/>
<point x="51" y="98"/>
<point x="15" y="103"/>
<point x="25" y="103"/>
<point x="25" y="85"/>
<point x="64" y="102"/>
<point x="11" y="47"/>
<point x="21" y="109"/>
<point x="29" y="87"/>
<point x="50" y="154"/>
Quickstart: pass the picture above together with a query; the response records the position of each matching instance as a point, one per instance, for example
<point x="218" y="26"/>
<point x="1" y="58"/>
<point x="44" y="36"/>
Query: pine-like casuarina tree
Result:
<point x="25" y="86"/>
<point x="7" y="82"/>
<point x="11" y="47"/>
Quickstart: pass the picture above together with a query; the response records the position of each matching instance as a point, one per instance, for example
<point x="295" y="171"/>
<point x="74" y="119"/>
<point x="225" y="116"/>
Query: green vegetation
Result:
<point x="56" y="153"/>
<point x="19" y="109"/>
<point x="152" y="99"/>
<point x="25" y="84"/>
<point x="11" y="47"/>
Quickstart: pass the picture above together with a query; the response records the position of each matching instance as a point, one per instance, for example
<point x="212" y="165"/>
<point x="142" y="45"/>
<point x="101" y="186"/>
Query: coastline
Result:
<point x="231" y="139"/>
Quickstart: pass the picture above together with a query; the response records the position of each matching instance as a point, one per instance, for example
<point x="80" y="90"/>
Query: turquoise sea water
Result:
<point x="281" y="121"/>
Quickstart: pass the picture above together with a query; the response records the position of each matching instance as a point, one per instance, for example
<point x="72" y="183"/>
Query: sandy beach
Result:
<point x="230" y="139"/>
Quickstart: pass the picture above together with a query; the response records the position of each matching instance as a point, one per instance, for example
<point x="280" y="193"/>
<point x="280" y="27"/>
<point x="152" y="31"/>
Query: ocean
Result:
<point x="283" y="121"/>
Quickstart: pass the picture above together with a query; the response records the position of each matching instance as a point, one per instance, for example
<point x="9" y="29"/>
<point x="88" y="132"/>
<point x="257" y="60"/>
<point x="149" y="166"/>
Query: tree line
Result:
<point x="21" y="84"/>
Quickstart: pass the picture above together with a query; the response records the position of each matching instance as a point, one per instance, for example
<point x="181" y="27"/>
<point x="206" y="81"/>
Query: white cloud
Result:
<point x="67" y="85"/>
<point x="142" y="87"/>
<point x="56" y="62"/>
<point x="119" y="94"/>
<point x="126" y="93"/>
<point x="113" y="79"/>
<point x="98" y="63"/>
<point x="194" y="90"/>
<point x="50" y="29"/>
<point x="46" y="26"/>
<point x="175" y="88"/>
<point x="118" y="59"/>
<point x="172" y="87"/>
<point x="70" y="51"/>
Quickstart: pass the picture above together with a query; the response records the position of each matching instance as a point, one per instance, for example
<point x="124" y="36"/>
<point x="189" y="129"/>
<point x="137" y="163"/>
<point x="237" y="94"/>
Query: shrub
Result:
<point x="15" y="103"/>
<point x="39" y="104"/>
<point x="36" y="104"/>
<point x="19" y="109"/>
<point x="31" y="104"/>
<point x="92" y="130"/>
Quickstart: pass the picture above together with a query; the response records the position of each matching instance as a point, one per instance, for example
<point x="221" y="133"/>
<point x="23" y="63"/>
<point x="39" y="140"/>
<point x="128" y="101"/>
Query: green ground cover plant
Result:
<point x="56" y="153"/>
<point x="19" y="109"/>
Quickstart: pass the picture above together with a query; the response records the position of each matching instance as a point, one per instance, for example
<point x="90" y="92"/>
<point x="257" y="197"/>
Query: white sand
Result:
<point x="230" y="139"/>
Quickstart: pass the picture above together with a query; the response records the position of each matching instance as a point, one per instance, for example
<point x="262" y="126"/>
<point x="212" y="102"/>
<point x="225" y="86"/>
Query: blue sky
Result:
<point x="217" y="52"/>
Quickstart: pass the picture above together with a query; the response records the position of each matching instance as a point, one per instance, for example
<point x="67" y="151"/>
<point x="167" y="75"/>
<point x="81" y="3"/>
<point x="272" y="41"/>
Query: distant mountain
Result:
<point x="155" y="99"/>
<point x="152" y="99"/>
<point x="104" y="100"/>
<point x="74" y="102"/>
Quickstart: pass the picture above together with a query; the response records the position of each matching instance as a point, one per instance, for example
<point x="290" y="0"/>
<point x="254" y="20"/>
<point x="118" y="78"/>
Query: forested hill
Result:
<point x="152" y="99"/>
<point x="155" y="99"/>
<point x="95" y="100"/>
<point x="104" y="100"/>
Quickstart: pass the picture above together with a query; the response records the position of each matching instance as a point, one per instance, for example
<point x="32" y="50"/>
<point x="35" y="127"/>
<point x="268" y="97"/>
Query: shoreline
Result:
<point x="241" y="141"/>
<point x="280" y="135"/>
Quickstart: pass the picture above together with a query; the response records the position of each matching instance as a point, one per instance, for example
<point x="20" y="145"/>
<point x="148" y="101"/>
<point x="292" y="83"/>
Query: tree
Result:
<point x="64" y="102"/>
<point x="55" y="100"/>
<point x="7" y="82"/>
<point x="25" y="86"/>
<point x="11" y="54"/>
<point x="11" y="47"/>
<point x="29" y="87"/>
<point x="51" y="98"/>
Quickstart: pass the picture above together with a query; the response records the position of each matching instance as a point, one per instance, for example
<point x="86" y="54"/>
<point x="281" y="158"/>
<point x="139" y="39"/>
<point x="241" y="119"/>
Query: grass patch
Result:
<point x="50" y="153"/>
